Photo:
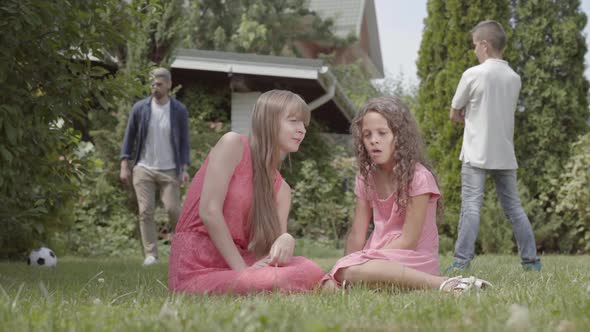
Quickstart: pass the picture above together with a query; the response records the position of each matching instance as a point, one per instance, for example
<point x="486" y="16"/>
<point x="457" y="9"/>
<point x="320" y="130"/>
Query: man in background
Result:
<point x="156" y="139"/>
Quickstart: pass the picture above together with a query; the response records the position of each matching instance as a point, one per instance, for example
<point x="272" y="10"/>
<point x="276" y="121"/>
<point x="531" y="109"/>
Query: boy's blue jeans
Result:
<point x="472" y="190"/>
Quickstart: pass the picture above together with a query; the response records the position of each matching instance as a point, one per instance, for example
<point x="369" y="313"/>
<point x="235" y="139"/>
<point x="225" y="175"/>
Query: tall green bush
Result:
<point x="567" y="229"/>
<point x="549" y="48"/>
<point x="48" y="83"/>
<point x="155" y="33"/>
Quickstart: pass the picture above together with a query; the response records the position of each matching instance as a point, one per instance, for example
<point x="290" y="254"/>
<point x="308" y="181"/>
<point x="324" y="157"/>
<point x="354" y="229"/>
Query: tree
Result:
<point x="445" y="52"/>
<point x="549" y="46"/>
<point x="566" y="226"/>
<point x="399" y="86"/>
<point x="254" y="26"/>
<point x="155" y="34"/>
<point x="48" y="82"/>
<point x="158" y="32"/>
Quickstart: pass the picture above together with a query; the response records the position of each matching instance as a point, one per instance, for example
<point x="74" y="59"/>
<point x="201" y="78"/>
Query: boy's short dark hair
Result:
<point x="492" y="32"/>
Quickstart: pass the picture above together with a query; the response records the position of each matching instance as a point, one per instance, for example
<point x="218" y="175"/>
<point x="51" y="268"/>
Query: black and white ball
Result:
<point x="42" y="257"/>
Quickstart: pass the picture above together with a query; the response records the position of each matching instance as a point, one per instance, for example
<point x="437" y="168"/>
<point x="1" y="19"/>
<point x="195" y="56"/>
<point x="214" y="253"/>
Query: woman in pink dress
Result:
<point x="395" y="187"/>
<point x="232" y="233"/>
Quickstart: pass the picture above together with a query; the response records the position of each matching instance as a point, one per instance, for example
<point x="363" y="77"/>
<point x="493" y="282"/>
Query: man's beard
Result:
<point x="158" y="95"/>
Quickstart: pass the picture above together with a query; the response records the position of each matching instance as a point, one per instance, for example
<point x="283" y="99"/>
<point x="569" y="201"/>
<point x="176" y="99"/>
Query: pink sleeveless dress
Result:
<point x="196" y="266"/>
<point x="388" y="223"/>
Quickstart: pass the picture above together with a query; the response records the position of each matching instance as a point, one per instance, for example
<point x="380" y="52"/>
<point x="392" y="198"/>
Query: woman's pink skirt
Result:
<point x="196" y="266"/>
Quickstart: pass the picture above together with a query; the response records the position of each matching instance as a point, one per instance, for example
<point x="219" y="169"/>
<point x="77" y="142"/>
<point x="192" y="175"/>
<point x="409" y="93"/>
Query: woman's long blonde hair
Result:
<point x="268" y="112"/>
<point x="408" y="146"/>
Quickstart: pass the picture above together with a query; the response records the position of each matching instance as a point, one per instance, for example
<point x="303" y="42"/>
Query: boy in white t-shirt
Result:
<point x="485" y="101"/>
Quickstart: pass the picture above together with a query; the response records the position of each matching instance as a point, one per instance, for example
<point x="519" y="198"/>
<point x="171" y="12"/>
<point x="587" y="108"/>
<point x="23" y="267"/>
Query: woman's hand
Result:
<point x="239" y="266"/>
<point x="282" y="250"/>
<point x="261" y="263"/>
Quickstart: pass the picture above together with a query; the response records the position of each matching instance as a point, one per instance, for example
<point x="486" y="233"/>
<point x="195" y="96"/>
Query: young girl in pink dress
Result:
<point x="232" y="233"/>
<point x="397" y="189"/>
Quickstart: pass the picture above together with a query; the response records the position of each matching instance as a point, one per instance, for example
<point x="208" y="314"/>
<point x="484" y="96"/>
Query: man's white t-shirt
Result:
<point x="489" y="94"/>
<point x="157" y="151"/>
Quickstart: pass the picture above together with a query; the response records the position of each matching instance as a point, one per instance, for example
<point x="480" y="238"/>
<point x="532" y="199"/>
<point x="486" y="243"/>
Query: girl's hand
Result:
<point x="261" y="263"/>
<point x="282" y="250"/>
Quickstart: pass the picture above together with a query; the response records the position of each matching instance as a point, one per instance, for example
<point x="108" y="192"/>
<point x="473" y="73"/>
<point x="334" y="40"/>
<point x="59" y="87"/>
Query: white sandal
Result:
<point x="460" y="285"/>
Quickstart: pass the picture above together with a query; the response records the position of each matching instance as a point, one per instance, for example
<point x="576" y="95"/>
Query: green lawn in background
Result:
<point x="117" y="294"/>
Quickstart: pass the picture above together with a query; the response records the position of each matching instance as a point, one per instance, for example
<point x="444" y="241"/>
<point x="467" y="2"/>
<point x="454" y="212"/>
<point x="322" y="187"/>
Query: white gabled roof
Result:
<point x="251" y="64"/>
<point x="347" y="14"/>
<point x="348" y="18"/>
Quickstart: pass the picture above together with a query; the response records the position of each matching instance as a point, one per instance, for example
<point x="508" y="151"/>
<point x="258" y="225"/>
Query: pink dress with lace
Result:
<point x="196" y="266"/>
<point x="388" y="223"/>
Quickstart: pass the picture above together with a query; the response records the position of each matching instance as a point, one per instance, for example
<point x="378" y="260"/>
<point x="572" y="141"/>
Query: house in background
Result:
<point x="356" y="18"/>
<point x="249" y="75"/>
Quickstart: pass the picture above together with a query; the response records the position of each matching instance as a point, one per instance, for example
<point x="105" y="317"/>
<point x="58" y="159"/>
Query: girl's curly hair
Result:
<point x="407" y="141"/>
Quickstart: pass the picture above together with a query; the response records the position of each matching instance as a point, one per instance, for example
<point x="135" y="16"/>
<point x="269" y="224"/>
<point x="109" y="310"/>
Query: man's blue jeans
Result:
<point x="472" y="190"/>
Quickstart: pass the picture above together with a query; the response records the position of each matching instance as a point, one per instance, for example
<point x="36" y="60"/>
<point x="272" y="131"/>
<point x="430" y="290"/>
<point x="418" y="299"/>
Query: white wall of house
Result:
<point x="242" y="104"/>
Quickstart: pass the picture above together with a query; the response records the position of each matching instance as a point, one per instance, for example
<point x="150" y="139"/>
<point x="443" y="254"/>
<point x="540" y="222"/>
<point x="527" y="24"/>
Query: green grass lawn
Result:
<point x="117" y="294"/>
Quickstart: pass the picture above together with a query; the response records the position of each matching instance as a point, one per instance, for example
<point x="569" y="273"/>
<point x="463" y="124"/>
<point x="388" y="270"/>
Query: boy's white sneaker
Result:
<point x="149" y="260"/>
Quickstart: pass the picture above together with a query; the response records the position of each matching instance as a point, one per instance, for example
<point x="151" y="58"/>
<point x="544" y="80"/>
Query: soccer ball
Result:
<point x="42" y="257"/>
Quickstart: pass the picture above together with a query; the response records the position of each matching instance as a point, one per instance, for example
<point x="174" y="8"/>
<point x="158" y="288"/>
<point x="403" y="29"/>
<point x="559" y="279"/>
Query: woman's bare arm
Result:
<point x="223" y="159"/>
<point x="357" y="236"/>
